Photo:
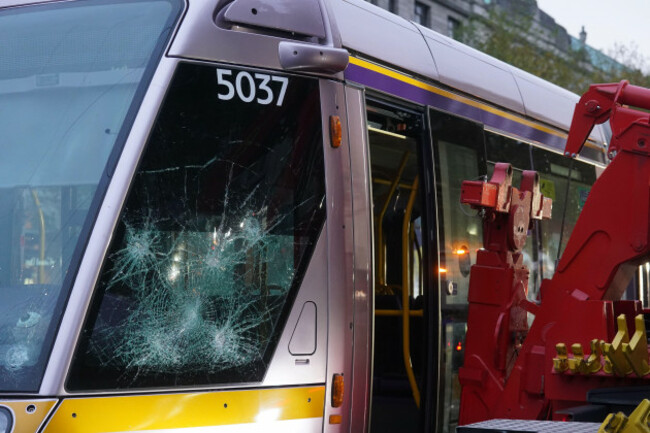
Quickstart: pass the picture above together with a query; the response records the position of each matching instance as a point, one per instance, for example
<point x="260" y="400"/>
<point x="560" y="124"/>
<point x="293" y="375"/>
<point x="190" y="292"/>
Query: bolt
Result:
<point x="592" y="106"/>
<point x="641" y="142"/>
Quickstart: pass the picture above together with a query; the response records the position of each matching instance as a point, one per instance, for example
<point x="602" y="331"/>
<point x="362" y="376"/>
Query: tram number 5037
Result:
<point x="251" y="87"/>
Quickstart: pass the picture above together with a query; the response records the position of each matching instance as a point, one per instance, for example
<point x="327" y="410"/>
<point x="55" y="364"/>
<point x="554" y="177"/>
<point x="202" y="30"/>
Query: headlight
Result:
<point x="6" y="421"/>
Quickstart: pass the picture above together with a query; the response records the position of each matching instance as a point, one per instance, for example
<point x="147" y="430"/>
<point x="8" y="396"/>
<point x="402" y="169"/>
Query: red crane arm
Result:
<point x="505" y="378"/>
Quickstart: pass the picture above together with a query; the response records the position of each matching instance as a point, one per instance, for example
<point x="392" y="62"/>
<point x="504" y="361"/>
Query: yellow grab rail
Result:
<point x="406" y="291"/>
<point x="398" y="313"/>
<point x="381" y="268"/>
<point x="403" y="185"/>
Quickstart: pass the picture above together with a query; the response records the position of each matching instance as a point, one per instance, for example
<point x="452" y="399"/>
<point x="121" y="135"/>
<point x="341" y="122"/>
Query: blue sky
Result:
<point x="607" y="22"/>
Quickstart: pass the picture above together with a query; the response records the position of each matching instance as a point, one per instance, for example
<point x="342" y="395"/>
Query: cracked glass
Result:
<point x="72" y="75"/>
<point x="214" y="237"/>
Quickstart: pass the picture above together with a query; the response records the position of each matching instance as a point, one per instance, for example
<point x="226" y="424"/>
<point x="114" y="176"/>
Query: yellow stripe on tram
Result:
<point x="422" y="85"/>
<point x="191" y="410"/>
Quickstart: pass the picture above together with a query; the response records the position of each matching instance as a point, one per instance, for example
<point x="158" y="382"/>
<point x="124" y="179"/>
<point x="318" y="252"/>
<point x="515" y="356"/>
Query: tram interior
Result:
<point x="398" y="258"/>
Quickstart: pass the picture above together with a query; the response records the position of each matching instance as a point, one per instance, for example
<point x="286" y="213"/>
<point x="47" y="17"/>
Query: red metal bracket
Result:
<point x="497" y="321"/>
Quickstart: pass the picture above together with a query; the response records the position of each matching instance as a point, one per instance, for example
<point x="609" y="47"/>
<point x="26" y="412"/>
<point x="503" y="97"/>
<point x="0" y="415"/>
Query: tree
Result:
<point x="635" y="65"/>
<point x="515" y="39"/>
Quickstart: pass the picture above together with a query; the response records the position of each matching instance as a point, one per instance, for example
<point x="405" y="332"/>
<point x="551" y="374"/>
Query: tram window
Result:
<point x="460" y="150"/>
<point x="71" y="74"/>
<point x="554" y="174"/>
<point x="504" y="149"/>
<point x="213" y="240"/>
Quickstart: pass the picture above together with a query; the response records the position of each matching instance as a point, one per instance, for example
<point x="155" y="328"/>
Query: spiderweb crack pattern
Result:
<point x="198" y="296"/>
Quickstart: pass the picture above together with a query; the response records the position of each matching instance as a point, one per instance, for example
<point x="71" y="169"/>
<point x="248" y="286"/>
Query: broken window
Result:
<point x="214" y="237"/>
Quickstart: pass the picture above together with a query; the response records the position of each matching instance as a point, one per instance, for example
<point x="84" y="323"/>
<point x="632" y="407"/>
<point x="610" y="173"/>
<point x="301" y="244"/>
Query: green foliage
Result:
<point x="517" y="40"/>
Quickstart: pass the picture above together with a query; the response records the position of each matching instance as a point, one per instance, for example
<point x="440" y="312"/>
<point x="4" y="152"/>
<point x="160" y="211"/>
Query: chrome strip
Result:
<point x="340" y="255"/>
<point x="363" y="261"/>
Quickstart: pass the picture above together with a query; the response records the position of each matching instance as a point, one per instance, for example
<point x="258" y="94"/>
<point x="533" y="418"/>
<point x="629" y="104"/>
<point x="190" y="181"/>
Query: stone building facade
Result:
<point x="440" y="15"/>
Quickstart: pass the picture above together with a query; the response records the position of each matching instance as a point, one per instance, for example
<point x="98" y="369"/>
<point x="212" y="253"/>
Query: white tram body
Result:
<point x="186" y="246"/>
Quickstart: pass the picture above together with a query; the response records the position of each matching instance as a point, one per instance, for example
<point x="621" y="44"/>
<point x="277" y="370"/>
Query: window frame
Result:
<point x="422" y="13"/>
<point x="298" y="278"/>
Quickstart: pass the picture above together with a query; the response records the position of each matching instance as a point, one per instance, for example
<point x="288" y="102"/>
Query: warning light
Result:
<point x="459" y="347"/>
<point x="335" y="131"/>
<point x="337" y="390"/>
<point x="461" y="250"/>
<point x="442" y="270"/>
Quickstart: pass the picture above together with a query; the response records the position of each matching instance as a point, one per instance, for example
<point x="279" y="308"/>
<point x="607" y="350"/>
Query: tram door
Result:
<point x="396" y="137"/>
<point x="459" y="155"/>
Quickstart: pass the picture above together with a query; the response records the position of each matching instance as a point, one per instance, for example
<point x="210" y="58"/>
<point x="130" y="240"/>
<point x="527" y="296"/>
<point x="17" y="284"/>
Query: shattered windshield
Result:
<point x="215" y="235"/>
<point x="70" y="74"/>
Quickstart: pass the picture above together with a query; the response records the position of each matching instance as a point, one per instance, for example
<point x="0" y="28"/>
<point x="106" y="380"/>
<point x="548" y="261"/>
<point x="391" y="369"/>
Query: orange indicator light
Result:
<point x="442" y="270"/>
<point x="335" y="131"/>
<point x="459" y="347"/>
<point x="337" y="390"/>
<point x="336" y="419"/>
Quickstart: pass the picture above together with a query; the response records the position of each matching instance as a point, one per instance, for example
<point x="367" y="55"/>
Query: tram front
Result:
<point x="168" y="250"/>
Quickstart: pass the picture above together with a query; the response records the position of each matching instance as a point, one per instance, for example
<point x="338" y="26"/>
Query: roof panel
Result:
<point x="377" y="33"/>
<point x="473" y="72"/>
<point x="545" y="101"/>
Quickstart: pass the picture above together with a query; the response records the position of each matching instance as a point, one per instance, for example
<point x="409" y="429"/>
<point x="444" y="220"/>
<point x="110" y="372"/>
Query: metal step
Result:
<point x="527" y="426"/>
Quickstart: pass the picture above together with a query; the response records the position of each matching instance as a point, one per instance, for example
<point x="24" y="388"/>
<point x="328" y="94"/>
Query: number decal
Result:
<point x="223" y="82"/>
<point x="283" y="90"/>
<point x="264" y="86"/>
<point x="249" y="88"/>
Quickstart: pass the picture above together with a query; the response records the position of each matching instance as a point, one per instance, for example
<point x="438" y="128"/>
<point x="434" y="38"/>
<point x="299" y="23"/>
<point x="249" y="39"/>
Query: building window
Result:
<point x="392" y="6"/>
<point x="422" y="14"/>
<point x="453" y="25"/>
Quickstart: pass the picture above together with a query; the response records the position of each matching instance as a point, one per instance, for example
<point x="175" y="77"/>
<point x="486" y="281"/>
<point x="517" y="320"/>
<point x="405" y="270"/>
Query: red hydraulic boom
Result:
<point x="579" y="339"/>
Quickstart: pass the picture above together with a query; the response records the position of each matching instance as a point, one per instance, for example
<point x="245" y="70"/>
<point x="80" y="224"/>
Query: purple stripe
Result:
<point x="407" y="91"/>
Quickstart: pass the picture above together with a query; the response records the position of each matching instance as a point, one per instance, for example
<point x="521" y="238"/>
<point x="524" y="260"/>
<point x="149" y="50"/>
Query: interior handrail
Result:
<point x="406" y="292"/>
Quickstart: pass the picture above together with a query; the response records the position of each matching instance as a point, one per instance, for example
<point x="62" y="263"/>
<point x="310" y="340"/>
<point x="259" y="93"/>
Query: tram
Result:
<point x="243" y="215"/>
